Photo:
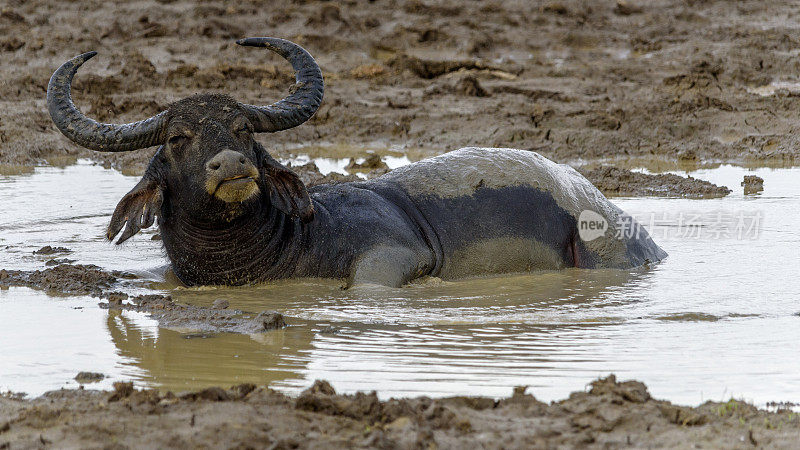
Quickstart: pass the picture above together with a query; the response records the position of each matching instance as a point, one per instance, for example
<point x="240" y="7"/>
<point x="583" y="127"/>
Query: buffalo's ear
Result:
<point x="286" y="190"/>
<point x="137" y="209"/>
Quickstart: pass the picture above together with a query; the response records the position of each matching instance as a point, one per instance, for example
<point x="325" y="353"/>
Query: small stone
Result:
<point x="3" y="274"/>
<point x="555" y="8"/>
<point x="520" y="390"/>
<point x="116" y="297"/>
<point x="266" y="321"/>
<point x="470" y="87"/>
<point x="244" y="389"/>
<point x="89" y="377"/>
<point x="372" y="162"/>
<point x="214" y="394"/>
<point x="122" y="390"/>
<point x="624" y="8"/>
<point x="321" y="387"/>
<point x="220" y="303"/>
<point x="687" y="155"/>
<point x="48" y="250"/>
<point x="402" y="423"/>
<point x="55" y="262"/>
<point x="752" y="184"/>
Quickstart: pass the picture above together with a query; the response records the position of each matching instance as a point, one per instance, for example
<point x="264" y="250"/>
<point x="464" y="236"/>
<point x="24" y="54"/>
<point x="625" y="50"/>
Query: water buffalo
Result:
<point x="229" y="213"/>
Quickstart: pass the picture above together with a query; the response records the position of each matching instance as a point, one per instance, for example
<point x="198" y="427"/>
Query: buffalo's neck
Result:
<point x="263" y="244"/>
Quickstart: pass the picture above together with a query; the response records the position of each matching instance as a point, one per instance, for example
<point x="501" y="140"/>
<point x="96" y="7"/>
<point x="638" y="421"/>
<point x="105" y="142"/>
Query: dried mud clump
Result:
<point x="65" y="279"/>
<point x="89" y="377"/>
<point x="470" y="86"/>
<point x="372" y="165"/>
<point x="49" y="250"/>
<point x="752" y="184"/>
<point x="217" y="319"/>
<point x="613" y="181"/>
<point x="611" y="414"/>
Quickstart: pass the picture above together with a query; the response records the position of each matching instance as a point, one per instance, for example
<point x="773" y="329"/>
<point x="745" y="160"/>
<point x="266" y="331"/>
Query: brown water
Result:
<point x="717" y="319"/>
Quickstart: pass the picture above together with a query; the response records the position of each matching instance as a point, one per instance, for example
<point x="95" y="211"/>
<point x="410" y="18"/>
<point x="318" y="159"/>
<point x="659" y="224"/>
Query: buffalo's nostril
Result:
<point x="227" y="163"/>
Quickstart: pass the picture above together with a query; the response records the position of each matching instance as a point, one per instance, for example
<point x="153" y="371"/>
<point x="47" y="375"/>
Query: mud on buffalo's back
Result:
<point x="557" y="188"/>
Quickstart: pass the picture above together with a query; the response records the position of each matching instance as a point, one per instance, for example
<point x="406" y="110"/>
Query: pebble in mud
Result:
<point x="48" y="250"/>
<point x="311" y="176"/>
<point x="625" y="8"/>
<point x="752" y="184"/>
<point x="330" y="330"/>
<point x="470" y="86"/>
<point x="55" y="262"/>
<point x="220" y="303"/>
<point x="687" y="155"/>
<point x="266" y="321"/>
<point x="116" y="298"/>
<point x="371" y="162"/>
<point x="89" y="377"/>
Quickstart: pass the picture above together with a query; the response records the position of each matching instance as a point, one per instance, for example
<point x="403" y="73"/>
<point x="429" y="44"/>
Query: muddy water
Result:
<point x="718" y="318"/>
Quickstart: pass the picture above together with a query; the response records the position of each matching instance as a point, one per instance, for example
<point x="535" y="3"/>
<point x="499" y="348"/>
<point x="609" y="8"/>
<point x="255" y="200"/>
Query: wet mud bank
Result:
<point x="65" y="279"/>
<point x="573" y="80"/>
<point x="78" y="279"/>
<point x="215" y="319"/>
<point x="614" y="181"/>
<point x="609" y="414"/>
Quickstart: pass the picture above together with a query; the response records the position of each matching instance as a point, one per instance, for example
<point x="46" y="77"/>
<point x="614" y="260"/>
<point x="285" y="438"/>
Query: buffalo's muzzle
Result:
<point x="231" y="176"/>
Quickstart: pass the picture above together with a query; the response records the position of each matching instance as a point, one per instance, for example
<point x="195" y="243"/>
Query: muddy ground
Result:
<point x="577" y="80"/>
<point x="609" y="414"/>
<point x="606" y="85"/>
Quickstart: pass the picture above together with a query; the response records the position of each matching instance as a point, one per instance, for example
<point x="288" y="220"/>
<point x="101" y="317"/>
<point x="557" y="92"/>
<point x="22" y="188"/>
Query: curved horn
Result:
<point x="304" y="100"/>
<point x="88" y="133"/>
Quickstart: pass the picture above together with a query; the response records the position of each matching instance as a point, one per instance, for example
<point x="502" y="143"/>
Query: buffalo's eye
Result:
<point x="177" y="141"/>
<point x="244" y="128"/>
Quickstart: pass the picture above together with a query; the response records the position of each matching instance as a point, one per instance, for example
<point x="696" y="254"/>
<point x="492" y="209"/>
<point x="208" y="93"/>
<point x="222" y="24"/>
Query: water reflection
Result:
<point x="484" y="334"/>
<point x="180" y="360"/>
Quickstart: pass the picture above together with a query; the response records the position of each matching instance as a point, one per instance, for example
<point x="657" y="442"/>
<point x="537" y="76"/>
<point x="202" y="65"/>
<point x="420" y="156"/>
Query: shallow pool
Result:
<point x="718" y="318"/>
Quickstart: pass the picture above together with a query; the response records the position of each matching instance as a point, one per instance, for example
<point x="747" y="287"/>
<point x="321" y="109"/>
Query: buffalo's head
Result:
<point x="208" y="165"/>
